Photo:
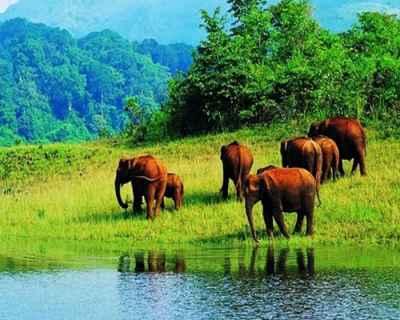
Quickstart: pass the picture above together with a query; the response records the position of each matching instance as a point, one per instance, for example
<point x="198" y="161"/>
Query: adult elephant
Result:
<point x="350" y="137"/>
<point x="303" y="152"/>
<point x="281" y="190"/>
<point x="149" y="179"/>
<point x="237" y="161"/>
<point x="330" y="157"/>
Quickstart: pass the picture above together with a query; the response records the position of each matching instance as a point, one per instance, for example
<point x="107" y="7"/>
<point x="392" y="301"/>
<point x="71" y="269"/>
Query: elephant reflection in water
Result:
<point x="277" y="265"/>
<point x="156" y="262"/>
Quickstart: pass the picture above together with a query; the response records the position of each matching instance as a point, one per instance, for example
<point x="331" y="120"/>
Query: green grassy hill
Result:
<point x="66" y="192"/>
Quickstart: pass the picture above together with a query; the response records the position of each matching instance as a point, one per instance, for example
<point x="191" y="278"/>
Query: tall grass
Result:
<point x="79" y="203"/>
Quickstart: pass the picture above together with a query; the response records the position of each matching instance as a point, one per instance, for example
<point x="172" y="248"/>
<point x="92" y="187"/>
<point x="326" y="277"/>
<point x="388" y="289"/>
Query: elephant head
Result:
<point x="261" y="170"/>
<point x="253" y="190"/>
<point x="124" y="174"/>
<point x="317" y="128"/>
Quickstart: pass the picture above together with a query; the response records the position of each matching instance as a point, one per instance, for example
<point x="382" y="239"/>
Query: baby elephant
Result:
<point x="281" y="190"/>
<point x="174" y="190"/>
<point x="330" y="157"/>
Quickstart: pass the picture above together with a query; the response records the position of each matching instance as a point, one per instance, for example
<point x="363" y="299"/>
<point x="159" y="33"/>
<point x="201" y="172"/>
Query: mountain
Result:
<point x="54" y="87"/>
<point x="166" y="21"/>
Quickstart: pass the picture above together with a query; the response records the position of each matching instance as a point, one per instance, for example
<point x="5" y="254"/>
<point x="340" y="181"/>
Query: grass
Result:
<point x="65" y="192"/>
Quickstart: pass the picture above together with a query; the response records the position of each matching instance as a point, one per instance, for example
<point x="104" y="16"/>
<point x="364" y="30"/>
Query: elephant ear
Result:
<point x="132" y="163"/>
<point x="265" y="186"/>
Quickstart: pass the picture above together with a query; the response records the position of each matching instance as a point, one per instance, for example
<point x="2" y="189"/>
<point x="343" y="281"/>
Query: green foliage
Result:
<point x="177" y="57"/>
<point x="277" y="63"/>
<point x="54" y="88"/>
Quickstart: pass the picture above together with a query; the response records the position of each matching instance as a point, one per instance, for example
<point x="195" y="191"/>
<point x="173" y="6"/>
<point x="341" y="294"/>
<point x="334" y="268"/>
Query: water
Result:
<point x="268" y="283"/>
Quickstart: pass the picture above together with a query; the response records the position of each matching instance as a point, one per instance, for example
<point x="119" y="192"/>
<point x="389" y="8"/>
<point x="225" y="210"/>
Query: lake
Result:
<point x="202" y="283"/>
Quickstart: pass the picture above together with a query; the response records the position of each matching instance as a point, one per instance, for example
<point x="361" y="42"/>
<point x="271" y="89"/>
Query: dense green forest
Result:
<point x="56" y="88"/>
<point x="263" y="64"/>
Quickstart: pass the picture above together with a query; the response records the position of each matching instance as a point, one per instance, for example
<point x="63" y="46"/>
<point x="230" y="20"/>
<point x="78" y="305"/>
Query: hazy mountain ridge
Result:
<point x="167" y="21"/>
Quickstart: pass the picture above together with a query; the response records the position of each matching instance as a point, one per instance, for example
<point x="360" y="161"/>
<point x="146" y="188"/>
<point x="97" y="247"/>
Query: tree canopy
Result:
<point x="55" y="88"/>
<point x="261" y="64"/>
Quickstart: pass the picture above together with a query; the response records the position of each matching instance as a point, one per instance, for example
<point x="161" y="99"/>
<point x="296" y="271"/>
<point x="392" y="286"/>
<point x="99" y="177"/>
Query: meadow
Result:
<point x="65" y="192"/>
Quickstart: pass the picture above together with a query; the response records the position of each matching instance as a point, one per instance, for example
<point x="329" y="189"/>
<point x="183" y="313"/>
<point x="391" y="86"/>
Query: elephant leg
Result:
<point x="341" y="170"/>
<point x="333" y="172"/>
<point x="310" y="222"/>
<point x="355" y="165"/>
<point x="163" y="204"/>
<point x="137" y="199"/>
<point x="325" y="172"/>
<point x="177" y="200"/>
<point x="159" y="197"/>
<point x="269" y="222"/>
<point x="239" y="195"/>
<point x="278" y="215"/>
<point x="299" y="223"/>
<point x="225" y="185"/>
<point x="150" y="202"/>
<point x="361" y="160"/>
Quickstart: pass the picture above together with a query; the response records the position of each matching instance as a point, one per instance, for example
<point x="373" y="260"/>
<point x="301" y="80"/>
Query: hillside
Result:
<point x="55" y="87"/>
<point x="167" y="21"/>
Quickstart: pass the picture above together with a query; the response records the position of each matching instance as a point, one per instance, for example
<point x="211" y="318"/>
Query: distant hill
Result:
<point x="167" y="21"/>
<point x="56" y="88"/>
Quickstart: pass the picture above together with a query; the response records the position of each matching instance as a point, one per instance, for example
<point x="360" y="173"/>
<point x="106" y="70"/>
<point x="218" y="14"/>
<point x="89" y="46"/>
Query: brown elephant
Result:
<point x="281" y="190"/>
<point x="350" y="138"/>
<point x="330" y="157"/>
<point x="175" y="190"/>
<point x="303" y="152"/>
<point x="237" y="161"/>
<point x="261" y="170"/>
<point x="149" y="179"/>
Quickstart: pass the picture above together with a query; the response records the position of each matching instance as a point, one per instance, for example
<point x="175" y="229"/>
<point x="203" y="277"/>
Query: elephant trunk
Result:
<point x="249" y="213"/>
<point x="118" y="194"/>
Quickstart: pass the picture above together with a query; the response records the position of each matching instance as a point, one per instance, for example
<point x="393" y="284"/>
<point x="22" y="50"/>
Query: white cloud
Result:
<point x="352" y="9"/>
<point x="4" y="4"/>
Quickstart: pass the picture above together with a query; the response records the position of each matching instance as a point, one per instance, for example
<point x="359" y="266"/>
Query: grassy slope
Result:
<point x="70" y="195"/>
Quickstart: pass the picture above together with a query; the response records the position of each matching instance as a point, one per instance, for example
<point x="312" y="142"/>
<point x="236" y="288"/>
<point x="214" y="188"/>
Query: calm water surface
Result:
<point x="264" y="283"/>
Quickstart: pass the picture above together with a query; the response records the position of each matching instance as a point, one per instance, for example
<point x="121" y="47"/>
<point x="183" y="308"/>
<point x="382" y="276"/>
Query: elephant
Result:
<point x="330" y="157"/>
<point x="149" y="179"/>
<point x="237" y="161"/>
<point x="350" y="137"/>
<point x="175" y="190"/>
<point x="270" y="167"/>
<point x="302" y="152"/>
<point x="281" y="190"/>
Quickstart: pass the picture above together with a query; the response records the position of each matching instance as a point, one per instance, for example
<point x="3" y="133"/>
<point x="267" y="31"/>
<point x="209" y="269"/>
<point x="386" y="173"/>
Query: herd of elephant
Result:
<point x="306" y="163"/>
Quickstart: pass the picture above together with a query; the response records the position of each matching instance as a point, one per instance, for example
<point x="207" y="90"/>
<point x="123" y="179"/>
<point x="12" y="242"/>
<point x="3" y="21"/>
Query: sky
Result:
<point x="4" y="4"/>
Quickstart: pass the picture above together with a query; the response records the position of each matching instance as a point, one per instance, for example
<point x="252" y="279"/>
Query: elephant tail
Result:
<point x="239" y="178"/>
<point x="317" y="168"/>
<point x="364" y="140"/>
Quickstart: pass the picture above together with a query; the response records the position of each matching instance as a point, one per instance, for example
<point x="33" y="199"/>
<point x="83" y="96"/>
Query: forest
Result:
<point x="257" y="64"/>
<point x="272" y="64"/>
<point x="56" y="88"/>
